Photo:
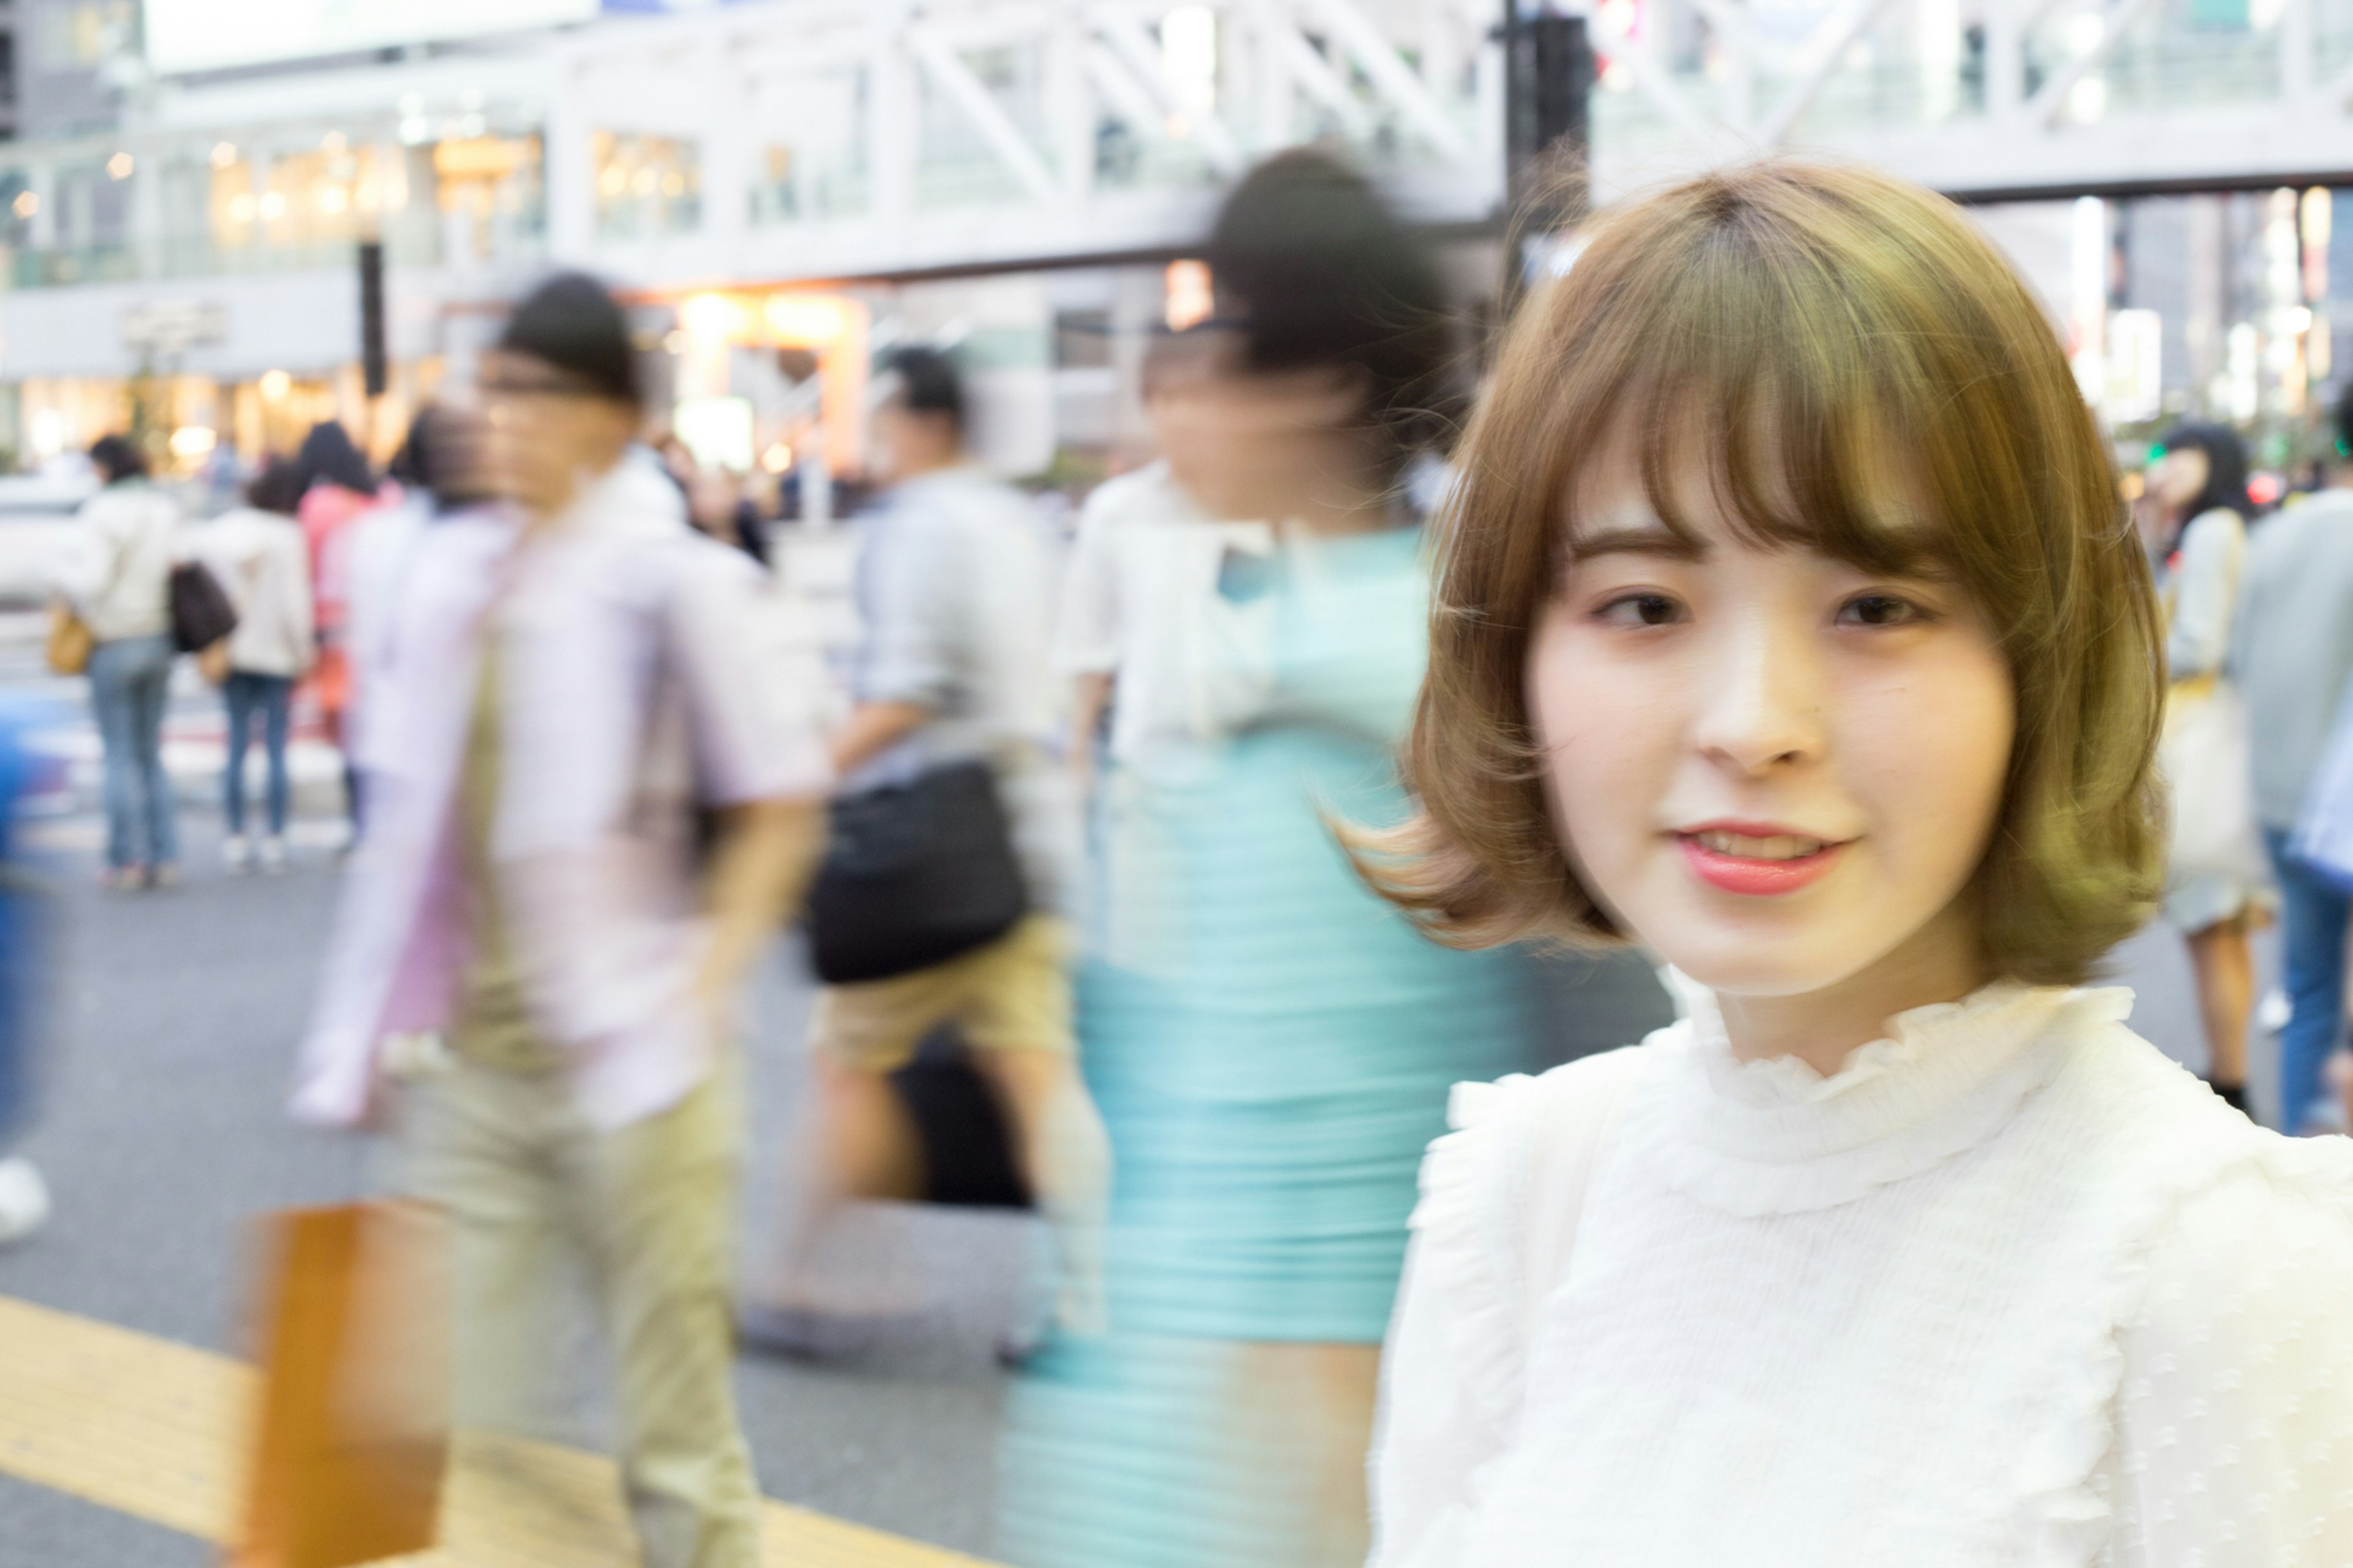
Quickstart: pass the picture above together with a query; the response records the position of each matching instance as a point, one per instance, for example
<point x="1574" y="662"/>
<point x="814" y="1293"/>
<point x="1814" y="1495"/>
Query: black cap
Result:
<point x="571" y="322"/>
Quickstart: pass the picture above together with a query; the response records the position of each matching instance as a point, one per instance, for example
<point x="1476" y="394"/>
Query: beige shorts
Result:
<point x="1012" y="994"/>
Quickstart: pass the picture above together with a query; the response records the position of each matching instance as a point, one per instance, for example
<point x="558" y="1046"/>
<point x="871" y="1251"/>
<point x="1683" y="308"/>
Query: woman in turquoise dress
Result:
<point x="1272" y="1047"/>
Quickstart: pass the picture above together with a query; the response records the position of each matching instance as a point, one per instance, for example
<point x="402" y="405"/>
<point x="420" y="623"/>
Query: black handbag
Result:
<point x="201" y="612"/>
<point x="914" y="874"/>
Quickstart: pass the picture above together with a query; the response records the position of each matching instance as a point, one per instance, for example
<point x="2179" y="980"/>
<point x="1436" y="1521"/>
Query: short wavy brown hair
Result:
<point x="1796" y="325"/>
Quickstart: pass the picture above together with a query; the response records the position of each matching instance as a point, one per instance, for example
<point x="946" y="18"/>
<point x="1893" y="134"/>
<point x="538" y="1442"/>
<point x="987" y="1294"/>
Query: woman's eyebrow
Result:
<point x="1643" y="538"/>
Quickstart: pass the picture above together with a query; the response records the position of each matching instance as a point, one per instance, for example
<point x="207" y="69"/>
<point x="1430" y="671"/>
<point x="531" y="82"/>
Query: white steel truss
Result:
<point x="906" y="135"/>
<point x="1983" y="98"/>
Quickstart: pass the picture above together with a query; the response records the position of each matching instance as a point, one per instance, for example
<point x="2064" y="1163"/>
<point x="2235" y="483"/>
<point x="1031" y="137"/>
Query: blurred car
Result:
<point x="37" y="523"/>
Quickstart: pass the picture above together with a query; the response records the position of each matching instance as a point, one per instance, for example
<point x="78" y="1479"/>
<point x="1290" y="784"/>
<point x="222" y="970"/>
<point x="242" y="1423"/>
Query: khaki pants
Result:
<point x="1012" y="994"/>
<point x="647" y="1211"/>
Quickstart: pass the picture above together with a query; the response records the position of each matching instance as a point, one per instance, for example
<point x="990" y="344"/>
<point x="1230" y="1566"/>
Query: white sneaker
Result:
<point x="273" y="854"/>
<point x="237" y="853"/>
<point x="24" y="1199"/>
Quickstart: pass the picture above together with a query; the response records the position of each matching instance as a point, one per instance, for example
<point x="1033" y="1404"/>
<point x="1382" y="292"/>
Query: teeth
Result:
<point x="1779" y="847"/>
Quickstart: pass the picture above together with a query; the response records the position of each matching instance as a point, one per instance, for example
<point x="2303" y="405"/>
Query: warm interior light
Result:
<point x="193" y="441"/>
<point x="1191" y="298"/>
<point x="777" y="460"/>
<point x="275" y="384"/>
<point x="25" y="205"/>
<point x="811" y="320"/>
<point x="119" y="167"/>
<point x="714" y="317"/>
<point x="223" y="154"/>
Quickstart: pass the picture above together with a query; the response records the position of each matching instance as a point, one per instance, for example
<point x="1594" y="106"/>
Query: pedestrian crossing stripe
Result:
<point x="157" y="1429"/>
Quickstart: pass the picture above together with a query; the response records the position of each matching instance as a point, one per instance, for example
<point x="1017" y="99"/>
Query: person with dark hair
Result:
<point x="258" y="553"/>
<point x="2217" y="883"/>
<point x="1271" y="1044"/>
<point x="2291" y="659"/>
<point x="338" y="489"/>
<point x="117" y="578"/>
<point x="563" y="691"/>
<point x="952" y="686"/>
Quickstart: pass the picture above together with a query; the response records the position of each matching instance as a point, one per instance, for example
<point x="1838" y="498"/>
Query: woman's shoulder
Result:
<point x="2185" y="1165"/>
<point x="1516" y="1164"/>
<point x="1514" y="1137"/>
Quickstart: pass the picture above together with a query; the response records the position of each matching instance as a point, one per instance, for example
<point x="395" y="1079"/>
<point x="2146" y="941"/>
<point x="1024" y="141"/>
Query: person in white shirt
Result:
<point x="564" y="692"/>
<point x="257" y="551"/>
<point x="1145" y="557"/>
<point x="117" y="578"/>
<point x="1789" y="625"/>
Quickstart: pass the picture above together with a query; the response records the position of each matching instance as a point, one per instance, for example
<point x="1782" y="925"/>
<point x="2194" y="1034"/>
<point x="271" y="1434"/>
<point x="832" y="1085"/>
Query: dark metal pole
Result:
<point x="1548" y="74"/>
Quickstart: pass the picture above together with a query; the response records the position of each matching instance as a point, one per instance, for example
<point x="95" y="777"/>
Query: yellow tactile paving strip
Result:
<point x="156" y="1430"/>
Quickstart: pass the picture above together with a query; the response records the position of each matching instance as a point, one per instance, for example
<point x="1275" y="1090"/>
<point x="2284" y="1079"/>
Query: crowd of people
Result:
<point x="1776" y="621"/>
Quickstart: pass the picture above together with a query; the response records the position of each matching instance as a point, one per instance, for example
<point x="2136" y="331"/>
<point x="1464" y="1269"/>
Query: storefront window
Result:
<point x="646" y="185"/>
<point x="488" y="190"/>
<point x="809" y="160"/>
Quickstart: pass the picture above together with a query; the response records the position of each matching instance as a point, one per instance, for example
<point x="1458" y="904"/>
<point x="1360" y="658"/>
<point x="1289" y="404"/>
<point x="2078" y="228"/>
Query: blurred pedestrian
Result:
<point x="117" y="577"/>
<point x="955" y="702"/>
<point x="1903" y="1247"/>
<point x="568" y="691"/>
<point x="26" y="969"/>
<point x="2291" y="655"/>
<point x="339" y="489"/>
<point x="1144" y="555"/>
<point x="2217" y="885"/>
<point x="1270" y="1046"/>
<point x="258" y="553"/>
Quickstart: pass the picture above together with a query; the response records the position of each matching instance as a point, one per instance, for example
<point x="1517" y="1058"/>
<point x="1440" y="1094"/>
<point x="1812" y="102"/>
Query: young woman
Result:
<point x="258" y="553"/>
<point x="1270" y="1046"/>
<point x="2216" y="882"/>
<point x="117" y="577"/>
<point x="1787" y="622"/>
<point x="338" y="489"/>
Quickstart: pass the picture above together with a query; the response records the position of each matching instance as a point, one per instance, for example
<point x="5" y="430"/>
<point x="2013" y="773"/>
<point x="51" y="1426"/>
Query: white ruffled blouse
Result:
<point x="2009" y="1289"/>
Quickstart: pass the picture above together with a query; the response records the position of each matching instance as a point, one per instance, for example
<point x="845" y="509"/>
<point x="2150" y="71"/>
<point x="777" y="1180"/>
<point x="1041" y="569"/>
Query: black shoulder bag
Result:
<point x="914" y="874"/>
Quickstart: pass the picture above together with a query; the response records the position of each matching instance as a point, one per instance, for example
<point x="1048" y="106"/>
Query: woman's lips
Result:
<point x="1754" y="876"/>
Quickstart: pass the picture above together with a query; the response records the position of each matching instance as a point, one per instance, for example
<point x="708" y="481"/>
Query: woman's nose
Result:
<point x="1763" y="707"/>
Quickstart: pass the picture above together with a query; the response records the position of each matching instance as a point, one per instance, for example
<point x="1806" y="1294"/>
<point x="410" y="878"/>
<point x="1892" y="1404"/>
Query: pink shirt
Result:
<point x="635" y="685"/>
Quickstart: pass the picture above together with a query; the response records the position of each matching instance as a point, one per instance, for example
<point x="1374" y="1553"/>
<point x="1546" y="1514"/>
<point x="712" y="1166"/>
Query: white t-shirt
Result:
<point x="954" y="585"/>
<point x="1142" y="570"/>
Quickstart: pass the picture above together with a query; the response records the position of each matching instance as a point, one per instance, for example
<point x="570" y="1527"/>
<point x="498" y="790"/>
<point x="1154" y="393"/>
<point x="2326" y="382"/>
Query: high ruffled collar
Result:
<point x="1776" y="1136"/>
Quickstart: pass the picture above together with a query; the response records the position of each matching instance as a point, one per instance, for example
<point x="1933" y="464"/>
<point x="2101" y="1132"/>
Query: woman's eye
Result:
<point x="1880" y="610"/>
<point x="1643" y="610"/>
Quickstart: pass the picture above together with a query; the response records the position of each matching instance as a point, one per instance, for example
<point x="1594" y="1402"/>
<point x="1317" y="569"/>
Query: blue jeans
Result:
<point x="130" y="683"/>
<point x="2313" y="919"/>
<point x="267" y="696"/>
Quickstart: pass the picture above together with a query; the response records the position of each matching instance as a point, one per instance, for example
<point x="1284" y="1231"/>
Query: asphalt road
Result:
<point x="162" y="1137"/>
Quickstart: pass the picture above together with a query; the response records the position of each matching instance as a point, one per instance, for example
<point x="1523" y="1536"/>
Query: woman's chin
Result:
<point x="1746" y="963"/>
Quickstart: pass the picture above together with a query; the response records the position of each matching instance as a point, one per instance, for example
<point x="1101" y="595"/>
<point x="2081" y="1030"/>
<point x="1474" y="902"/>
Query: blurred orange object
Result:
<point x="352" y="1435"/>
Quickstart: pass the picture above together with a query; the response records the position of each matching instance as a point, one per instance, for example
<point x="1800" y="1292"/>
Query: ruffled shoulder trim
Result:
<point x="2168" y="1140"/>
<point x="1510" y="1138"/>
